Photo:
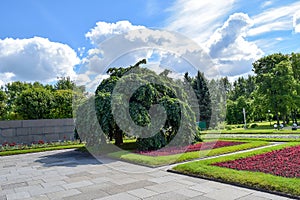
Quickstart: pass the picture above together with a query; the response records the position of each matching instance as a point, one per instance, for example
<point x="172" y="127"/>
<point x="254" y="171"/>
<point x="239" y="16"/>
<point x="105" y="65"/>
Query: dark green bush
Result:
<point x="253" y="125"/>
<point x="151" y="143"/>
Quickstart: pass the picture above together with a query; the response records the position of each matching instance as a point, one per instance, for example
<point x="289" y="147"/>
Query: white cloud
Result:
<point x="35" y="59"/>
<point x="198" y="19"/>
<point x="126" y="48"/>
<point x="105" y="52"/>
<point x="93" y="83"/>
<point x="266" y="4"/>
<point x="225" y="42"/>
<point x="104" y="30"/>
<point x="274" y="19"/>
<point x="5" y="78"/>
<point x="230" y="50"/>
<point x="296" y="22"/>
<point x="225" y="36"/>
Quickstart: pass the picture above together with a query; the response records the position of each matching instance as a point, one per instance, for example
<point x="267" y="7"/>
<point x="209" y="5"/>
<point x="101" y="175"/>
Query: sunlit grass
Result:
<point x="260" y="180"/>
<point x="171" y="159"/>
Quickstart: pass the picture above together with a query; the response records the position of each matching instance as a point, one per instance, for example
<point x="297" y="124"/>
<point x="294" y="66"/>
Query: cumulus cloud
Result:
<point x="126" y="48"/>
<point x="104" y="30"/>
<point x="230" y="50"/>
<point x="232" y="29"/>
<point x="226" y="42"/>
<point x="296" y="22"/>
<point x="105" y="54"/>
<point x="35" y="59"/>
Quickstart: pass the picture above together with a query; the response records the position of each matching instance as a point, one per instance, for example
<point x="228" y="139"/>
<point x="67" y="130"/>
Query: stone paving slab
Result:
<point x="68" y="175"/>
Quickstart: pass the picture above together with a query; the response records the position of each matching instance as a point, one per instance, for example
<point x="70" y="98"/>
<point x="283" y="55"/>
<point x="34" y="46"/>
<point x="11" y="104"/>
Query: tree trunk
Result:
<point x="119" y="138"/>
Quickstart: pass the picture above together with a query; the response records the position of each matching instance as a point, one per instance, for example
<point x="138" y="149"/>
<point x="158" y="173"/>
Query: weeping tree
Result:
<point x="137" y="102"/>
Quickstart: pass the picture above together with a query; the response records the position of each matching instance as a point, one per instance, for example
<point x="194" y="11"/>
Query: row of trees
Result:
<point x="273" y="92"/>
<point x="21" y="100"/>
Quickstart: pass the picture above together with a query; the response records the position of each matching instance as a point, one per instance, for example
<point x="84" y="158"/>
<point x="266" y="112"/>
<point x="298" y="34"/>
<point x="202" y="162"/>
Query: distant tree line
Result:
<point x="22" y="100"/>
<point x="272" y="93"/>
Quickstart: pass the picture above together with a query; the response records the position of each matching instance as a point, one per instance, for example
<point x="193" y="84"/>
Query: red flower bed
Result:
<point x="12" y="144"/>
<point x="41" y="142"/>
<point x="285" y="162"/>
<point x="195" y="147"/>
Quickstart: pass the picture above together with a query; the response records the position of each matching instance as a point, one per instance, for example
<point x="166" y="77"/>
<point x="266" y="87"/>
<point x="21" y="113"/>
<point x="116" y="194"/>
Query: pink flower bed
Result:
<point x="195" y="147"/>
<point x="285" y="162"/>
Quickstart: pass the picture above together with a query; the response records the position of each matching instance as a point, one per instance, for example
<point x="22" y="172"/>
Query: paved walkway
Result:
<point x="68" y="174"/>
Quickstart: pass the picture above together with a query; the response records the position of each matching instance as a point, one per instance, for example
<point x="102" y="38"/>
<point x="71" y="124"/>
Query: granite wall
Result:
<point x="28" y="131"/>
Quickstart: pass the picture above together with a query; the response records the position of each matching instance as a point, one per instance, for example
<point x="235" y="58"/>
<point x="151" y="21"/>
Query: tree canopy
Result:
<point x="137" y="102"/>
<point x="276" y="83"/>
<point x="22" y="100"/>
<point x="272" y="91"/>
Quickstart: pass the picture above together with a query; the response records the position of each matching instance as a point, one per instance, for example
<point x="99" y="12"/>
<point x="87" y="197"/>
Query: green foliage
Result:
<point x="62" y="104"/>
<point x="242" y="87"/>
<point x="201" y="90"/>
<point x="272" y="92"/>
<point x="161" y="96"/>
<point x="276" y="83"/>
<point x="13" y="90"/>
<point x="87" y="124"/>
<point x="152" y="143"/>
<point x="3" y="99"/>
<point x="64" y="83"/>
<point x="218" y="94"/>
<point x="35" y="103"/>
<point x="62" y="99"/>
<point x="253" y="125"/>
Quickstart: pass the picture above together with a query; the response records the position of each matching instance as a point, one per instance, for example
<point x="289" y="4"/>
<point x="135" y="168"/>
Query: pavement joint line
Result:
<point x="165" y="168"/>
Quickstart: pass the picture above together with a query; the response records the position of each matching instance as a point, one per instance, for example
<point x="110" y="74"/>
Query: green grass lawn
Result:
<point x="252" y="131"/>
<point x="266" y="139"/>
<point x="260" y="180"/>
<point x="40" y="149"/>
<point x="155" y="161"/>
<point x="262" y="127"/>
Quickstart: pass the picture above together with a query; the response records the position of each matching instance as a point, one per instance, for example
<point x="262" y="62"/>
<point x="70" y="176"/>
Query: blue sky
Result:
<point x="67" y="21"/>
<point x="43" y="39"/>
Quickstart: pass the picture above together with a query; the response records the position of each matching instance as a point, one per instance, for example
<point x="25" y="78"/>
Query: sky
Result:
<point x="41" y="40"/>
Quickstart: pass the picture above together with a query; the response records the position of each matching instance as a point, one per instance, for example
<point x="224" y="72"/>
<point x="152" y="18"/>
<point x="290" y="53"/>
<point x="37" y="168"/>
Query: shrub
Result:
<point x="152" y="143"/>
<point x="253" y="125"/>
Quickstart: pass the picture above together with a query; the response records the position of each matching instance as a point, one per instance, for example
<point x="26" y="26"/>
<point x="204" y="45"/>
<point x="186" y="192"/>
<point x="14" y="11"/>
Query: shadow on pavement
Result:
<point x="70" y="158"/>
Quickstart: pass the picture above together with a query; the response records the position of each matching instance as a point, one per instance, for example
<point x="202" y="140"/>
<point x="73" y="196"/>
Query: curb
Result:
<point x="236" y="184"/>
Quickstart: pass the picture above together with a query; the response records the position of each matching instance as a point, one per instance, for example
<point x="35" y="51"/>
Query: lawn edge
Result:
<point x="235" y="184"/>
<point x="38" y="150"/>
<point x="188" y="160"/>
